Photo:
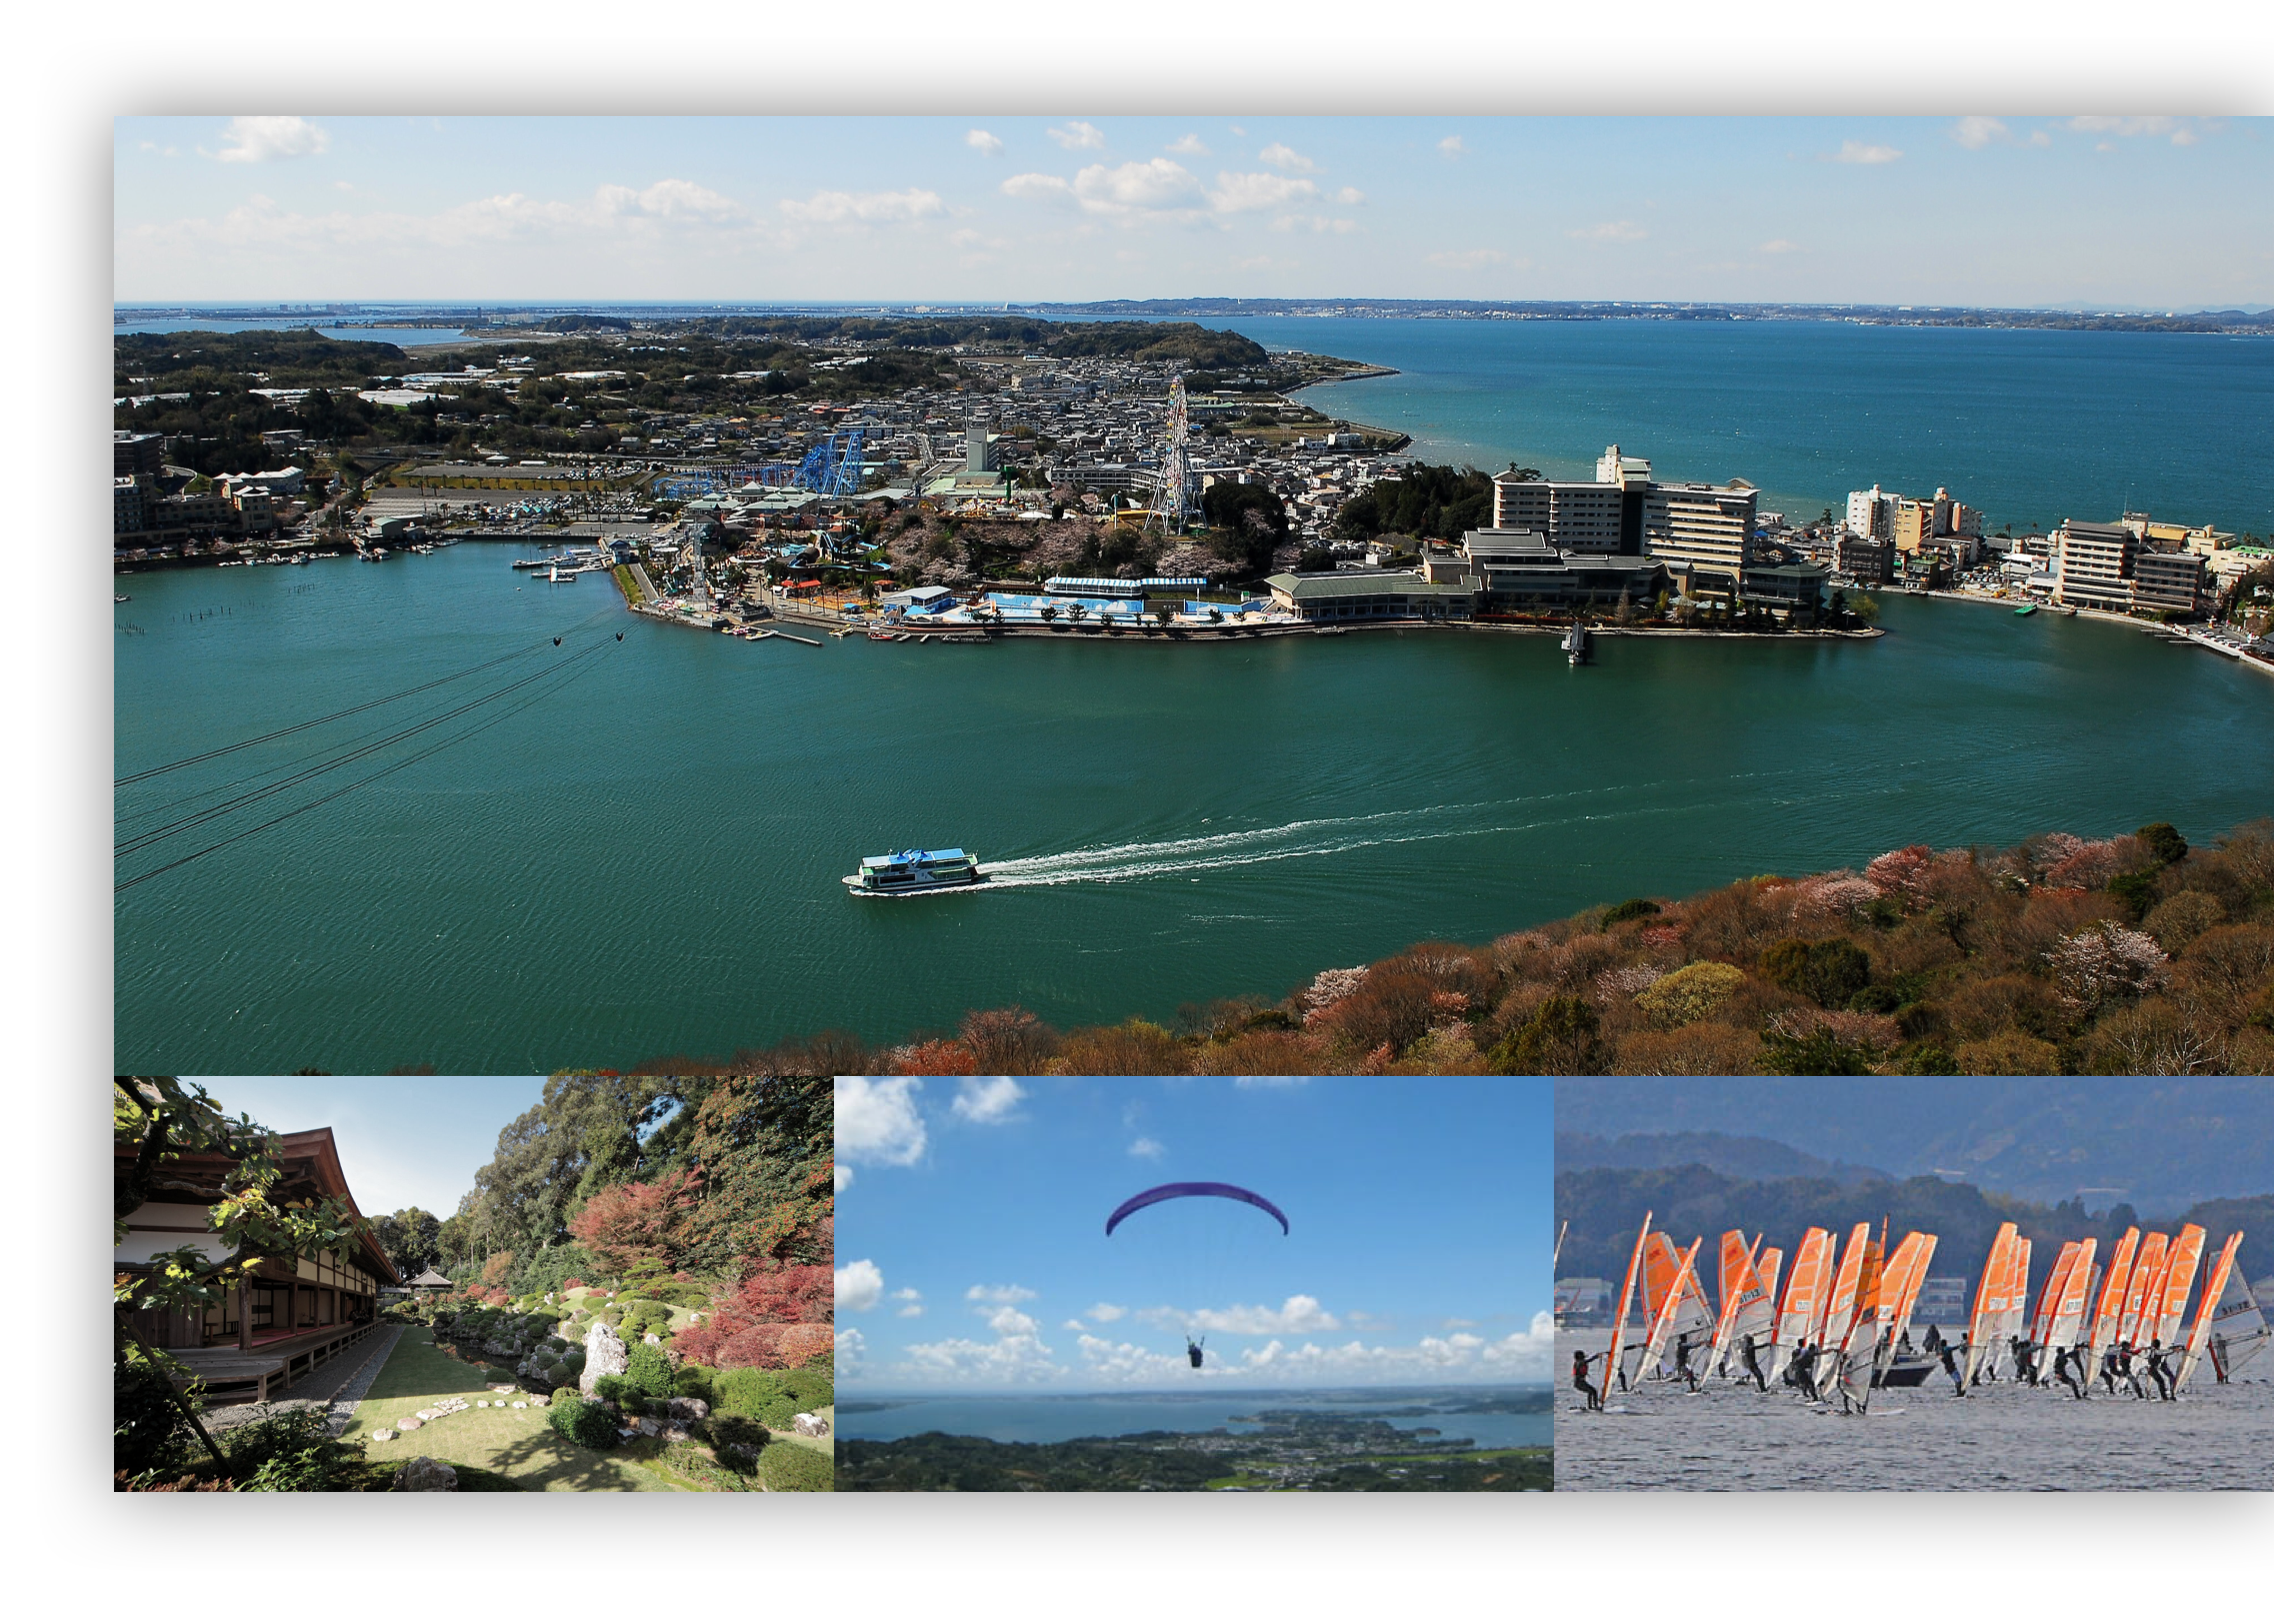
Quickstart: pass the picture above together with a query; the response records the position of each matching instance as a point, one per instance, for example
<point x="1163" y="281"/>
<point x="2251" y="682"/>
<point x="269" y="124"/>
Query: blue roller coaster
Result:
<point x="833" y="468"/>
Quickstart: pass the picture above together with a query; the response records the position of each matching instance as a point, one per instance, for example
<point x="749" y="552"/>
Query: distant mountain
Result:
<point x="2158" y="1143"/>
<point x="1727" y="1154"/>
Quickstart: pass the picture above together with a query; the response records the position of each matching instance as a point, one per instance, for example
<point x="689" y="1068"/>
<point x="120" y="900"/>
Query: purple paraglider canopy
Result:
<point x="1137" y="1203"/>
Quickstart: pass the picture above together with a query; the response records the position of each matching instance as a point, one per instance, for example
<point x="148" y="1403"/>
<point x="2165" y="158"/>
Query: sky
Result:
<point x="972" y="1253"/>
<point x="402" y="1141"/>
<point x="1976" y="210"/>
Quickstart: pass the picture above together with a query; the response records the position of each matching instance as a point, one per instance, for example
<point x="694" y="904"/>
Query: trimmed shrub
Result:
<point x="611" y="1387"/>
<point x="557" y="1375"/>
<point x="693" y="1380"/>
<point x="786" y="1467"/>
<point x="736" y="1441"/>
<point x="648" y="1370"/>
<point x="587" y="1423"/>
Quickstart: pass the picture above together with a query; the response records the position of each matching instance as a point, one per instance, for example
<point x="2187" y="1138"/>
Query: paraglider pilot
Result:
<point x="1193" y="1351"/>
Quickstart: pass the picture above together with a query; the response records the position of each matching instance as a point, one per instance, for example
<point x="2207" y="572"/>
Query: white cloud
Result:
<point x="1443" y="259"/>
<point x="914" y="1309"/>
<point x="1777" y="248"/>
<point x="874" y="206"/>
<point x="1254" y="192"/>
<point x="877" y="1121"/>
<point x="844" y="1180"/>
<point x="673" y="198"/>
<point x="988" y="1099"/>
<point x="1106" y="1312"/>
<point x="983" y="142"/>
<point x="1019" y="1359"/>
<point x="1298" y="1314"/>
<point x="1135" y="186"/>
<point x="2178" y="129"/>
<point x="1286" y="159"/>
<point x="1350" y="196"/>
<point x="1867" y="155"/>
<point x="1189" y="145"/>
<point x="1452" y="147"/>
<point x="1289" y="222"/>
<point x="859" y="1284"/>
<point x="1976" y="132"/>
<point x="1074" y="1324"/>
<point x="1038" y="187"/>
<point x="1146" y="1149"/>
<point x="1624" y="229"/>
<point x="1080" y="137"/>
<point x="1010" y="1320"/>
<point x="909" y="1294"/>
<point x="1459" y="1323"/>
<point x="1006" y="1293"/>
<point x="852" y="1348"/>
<point x="266" y="139"/>
<point x="1275" y="1083"/>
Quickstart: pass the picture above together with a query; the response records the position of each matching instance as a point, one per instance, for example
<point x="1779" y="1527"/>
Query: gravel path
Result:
<point x="343" y="1379"/>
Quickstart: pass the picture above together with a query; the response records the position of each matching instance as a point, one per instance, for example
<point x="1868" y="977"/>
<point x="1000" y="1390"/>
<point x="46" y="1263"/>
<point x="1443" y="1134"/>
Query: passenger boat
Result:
<point x="2026" y="609"/>
<point x="1577" y="647"/>
<point x="916" y="871"/>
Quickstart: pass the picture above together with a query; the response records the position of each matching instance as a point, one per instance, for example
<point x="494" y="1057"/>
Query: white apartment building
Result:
<point x="1581" y="516"/>
<point x="1702" y="528"/>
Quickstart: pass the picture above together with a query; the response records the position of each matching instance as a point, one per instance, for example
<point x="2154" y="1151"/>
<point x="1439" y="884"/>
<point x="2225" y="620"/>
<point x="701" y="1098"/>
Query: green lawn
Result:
<point x="520" y="1446"/>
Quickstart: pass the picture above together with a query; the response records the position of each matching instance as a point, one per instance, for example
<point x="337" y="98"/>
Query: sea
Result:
<point x="128" y="324"/>
<point x="642" y="855"/>
<point x="2000" y="1437"/>
<point x="1062" y="1418"/>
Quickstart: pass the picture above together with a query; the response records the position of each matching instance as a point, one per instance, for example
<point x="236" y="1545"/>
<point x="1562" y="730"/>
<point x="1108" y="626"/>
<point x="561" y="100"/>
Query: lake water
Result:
<point x="392" y="337"/>
<point x="2002" y="1437"/>
<point x="647" y="862"/>
<point x="1061" y="1418"/>
<point x="2027" y="425"/>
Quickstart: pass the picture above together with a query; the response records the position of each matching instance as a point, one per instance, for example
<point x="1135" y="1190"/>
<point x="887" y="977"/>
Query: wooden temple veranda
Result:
<point x="284" y="1321"/>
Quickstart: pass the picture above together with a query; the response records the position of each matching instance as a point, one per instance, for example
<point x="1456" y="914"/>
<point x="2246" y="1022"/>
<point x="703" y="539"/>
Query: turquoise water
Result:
<point x="1060" y="1418"/>
<point x="2028" y="425"/>
<point x="647" y="861"/>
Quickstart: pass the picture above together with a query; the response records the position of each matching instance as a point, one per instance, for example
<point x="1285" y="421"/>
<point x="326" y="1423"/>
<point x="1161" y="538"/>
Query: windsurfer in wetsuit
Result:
<point x="1682" y="1366"/>
<point x="2157" y="1371"/>
<point x="1752" y="1358"/>
<point x="1192" y="1350"/>
<point x="1579" y="1381"/>
<point x="2024" y="1371"/>
<point x="1950" y="1366"/>
<point x="1804" y="1365"/>
<point x="2062" y="1359"/>
<point x="2121" y="1362"/>
<point x="1934" y="1340"/>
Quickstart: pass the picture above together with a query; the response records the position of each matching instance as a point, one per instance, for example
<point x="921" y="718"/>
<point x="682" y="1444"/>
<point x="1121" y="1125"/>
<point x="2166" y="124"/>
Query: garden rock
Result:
<point x="383" y="1434"/>
<point x="517" y="1406"/>
<point x="410" y="1423"/>
<point x="604" y="1354"/>
<point x="648" y="1426"/>
<point x="425" y="1474"/>
<point x="810" y="1424"/>
<point x="672" y="1432"/>
<point x="687" y="1407"/>
<point x="505" y="1390"/>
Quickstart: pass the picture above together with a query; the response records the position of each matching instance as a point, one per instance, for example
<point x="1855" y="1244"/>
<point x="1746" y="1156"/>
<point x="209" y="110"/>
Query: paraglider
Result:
<point x="1154" y="1196"/>
<point x="1193" y="1351"/>
<point x="619" y="636"/>
<point x="556" y="642"/>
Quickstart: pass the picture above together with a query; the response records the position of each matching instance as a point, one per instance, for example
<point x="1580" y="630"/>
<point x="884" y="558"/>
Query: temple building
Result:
<point x="284" y="1318"/>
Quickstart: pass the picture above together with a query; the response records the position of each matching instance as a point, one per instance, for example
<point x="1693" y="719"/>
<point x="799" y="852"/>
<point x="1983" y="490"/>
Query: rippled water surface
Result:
<point x="2001" y="1437"/>
<point x="642" y="854"/>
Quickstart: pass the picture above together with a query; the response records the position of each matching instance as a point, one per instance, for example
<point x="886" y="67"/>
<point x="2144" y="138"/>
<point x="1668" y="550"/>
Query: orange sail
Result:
<point x="1614" y="1360"/>
<point x="2199" y="1338"/>
<point x="1800" y="1312"/>
<point x="1899" y="1287"/>
<point x="2049" y="1298"/>
<point x="1766" y="1266"/>
<point x="1744" y="1305"/>
<point x="1665" y="1325"/>
<point x="1860" y="1346"/>
<point x="2178" y="1280"/>
<point x="1662" y="1274"/>
<point x="2069" y="1306"/>
<point x="1840" y="1311"/>
<point x="2146" y="1289"/>
<point x="2110" y="1310"/>
<point x="1996" y="1300"/>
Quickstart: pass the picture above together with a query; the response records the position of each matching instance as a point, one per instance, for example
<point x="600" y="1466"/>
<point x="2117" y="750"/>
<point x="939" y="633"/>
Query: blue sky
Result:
<point x="2131" y="210"/>
<point x="972" y="1253"/>
<point x="402" y="1141"/>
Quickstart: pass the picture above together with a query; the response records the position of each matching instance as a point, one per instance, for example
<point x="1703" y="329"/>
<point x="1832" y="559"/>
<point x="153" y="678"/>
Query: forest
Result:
<point x="2134" y="954"/>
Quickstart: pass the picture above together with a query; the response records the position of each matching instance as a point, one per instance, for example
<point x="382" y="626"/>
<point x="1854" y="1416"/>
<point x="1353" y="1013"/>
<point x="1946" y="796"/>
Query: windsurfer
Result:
<point x="2063" y="1358"/>
<point x="1682" y="1368"/>
<point x="1934" y="1340"/>
<point x="2120" y="1364"/>
<point x="1752" y="1358"/>
<point x="1804" y="1367"/>
<point x="1580" y="1383"/>
<point x="2157" y="1370"/>
<point x="1949" y="1355"/>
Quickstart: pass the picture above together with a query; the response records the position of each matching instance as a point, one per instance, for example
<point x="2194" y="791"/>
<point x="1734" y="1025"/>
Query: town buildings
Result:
<point x="2109" y="567"/>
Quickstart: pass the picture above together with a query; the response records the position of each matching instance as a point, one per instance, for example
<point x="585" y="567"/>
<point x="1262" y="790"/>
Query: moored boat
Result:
<point x="2026" y="609"/>
<point x="916" y="871"/>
